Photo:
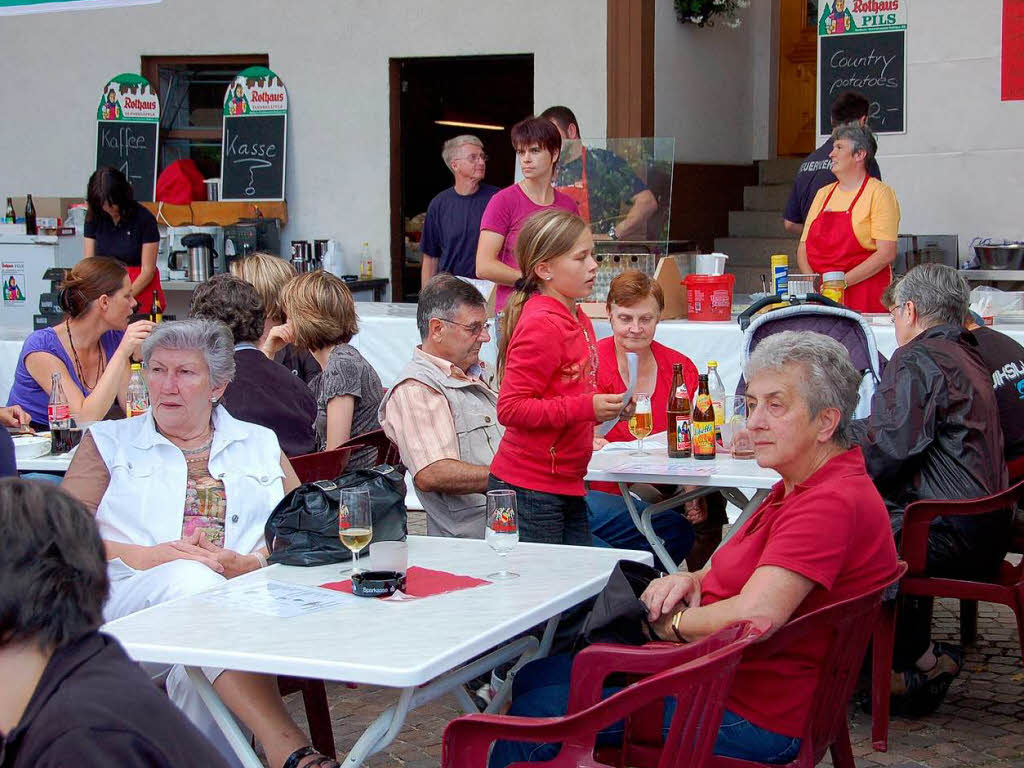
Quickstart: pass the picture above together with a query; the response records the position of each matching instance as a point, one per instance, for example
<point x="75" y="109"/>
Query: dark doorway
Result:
<point x="426" y="93"/>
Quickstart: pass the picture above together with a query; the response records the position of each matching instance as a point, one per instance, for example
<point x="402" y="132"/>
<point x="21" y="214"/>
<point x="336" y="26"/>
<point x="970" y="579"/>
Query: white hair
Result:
<point x="212" y="338"/>
<point x="450" y="146"/>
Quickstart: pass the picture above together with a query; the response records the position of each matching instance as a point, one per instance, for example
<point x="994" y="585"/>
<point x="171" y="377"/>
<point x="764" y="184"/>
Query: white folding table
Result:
<point x="424" y="648"/>
<point x="48" y="463"/>
<point x="732" y="477"/>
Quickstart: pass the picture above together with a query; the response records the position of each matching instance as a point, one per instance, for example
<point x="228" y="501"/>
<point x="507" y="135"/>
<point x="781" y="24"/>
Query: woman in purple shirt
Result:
<point x="538" y="144"/>
<point x="91" y="349"/>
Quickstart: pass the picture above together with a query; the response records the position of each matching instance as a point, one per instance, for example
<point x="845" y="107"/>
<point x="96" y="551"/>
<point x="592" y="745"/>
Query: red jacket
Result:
<point x="546" y="400"/>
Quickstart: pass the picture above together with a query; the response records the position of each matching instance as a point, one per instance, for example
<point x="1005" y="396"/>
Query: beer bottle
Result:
<point x="9" y="216"/>
<point x="30" y="217"/>
<point x="703" y="422"/>
<point x="156" y="312"/>
<point x="679" y="446"/>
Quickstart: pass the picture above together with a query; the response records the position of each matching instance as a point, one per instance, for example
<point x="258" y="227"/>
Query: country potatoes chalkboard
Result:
<point x="132" y="149"/>
<point x="253" y="160"/>
<point x="875" y="65"/>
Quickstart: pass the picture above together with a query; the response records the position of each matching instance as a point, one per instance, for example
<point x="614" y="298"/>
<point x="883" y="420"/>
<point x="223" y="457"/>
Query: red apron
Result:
<point x="145" y="297"/>
<point x="832" y="245"/>
<point x="578" y="191"/>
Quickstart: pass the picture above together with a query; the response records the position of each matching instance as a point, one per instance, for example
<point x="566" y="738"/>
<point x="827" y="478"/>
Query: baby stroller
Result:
<point x="813" y="312"/>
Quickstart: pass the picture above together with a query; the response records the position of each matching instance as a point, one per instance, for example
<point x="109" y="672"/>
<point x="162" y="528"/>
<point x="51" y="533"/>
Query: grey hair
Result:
<point x="210" y="337"/>
<point x="940" y="294"/>
<point x="828" y="379"/>
<point x="448" y="150"/>
<point x="860" y="136"/>
<point x="442" y="297"/>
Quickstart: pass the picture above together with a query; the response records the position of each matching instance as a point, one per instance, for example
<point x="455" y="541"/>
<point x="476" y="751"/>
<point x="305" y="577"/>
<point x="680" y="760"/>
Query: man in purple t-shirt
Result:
<point x="452" y="225"/>
<point x="816" y="170"/>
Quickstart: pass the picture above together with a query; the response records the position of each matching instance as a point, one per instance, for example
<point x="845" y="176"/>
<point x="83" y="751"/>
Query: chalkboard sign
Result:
<point x="875" y="65"/>
<point x="255" y="134"/>
<point x="252" y="164"/>
<point x="127" y="132"/>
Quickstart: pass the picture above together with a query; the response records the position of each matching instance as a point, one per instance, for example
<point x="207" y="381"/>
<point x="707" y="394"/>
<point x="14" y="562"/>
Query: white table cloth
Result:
<point x="741" y="481"/>
<point x="421" y="647"/>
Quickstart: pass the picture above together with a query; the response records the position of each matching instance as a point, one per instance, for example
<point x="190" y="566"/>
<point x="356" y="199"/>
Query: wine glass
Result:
<point x="355" y="524"/>
<point x="742" y="443"/>
<point x="502" y="532"/>
<point x="641" y="423"/>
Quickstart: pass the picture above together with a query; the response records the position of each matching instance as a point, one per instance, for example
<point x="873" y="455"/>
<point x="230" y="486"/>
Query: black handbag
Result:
<point x="618" y="615"/>
<point x="303" y="528"/>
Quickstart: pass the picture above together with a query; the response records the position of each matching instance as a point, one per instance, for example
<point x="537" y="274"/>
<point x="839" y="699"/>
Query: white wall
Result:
<point x="333" y="57"/>
<point x="703" y="86"/>
<point x="959" y="169"/>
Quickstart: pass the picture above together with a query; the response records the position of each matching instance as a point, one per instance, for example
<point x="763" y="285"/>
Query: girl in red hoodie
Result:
<point x="548" y="399"/>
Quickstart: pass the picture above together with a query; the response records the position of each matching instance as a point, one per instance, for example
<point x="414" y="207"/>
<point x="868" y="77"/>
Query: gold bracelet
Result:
<point x="675" y="626"/>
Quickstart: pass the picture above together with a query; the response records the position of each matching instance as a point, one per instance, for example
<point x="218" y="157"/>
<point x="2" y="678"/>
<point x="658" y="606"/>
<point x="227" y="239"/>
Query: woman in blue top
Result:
<point x="91" y="349"/>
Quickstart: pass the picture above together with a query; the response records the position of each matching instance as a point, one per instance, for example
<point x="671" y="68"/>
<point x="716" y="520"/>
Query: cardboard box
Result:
<point x="46" y="207"/>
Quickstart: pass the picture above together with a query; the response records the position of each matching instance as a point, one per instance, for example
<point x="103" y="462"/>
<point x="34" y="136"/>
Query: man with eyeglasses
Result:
<point x="441" y="412"/>
<point x="452" y="225"/>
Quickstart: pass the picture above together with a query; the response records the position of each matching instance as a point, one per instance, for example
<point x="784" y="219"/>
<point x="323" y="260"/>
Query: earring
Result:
<point x="213" y="400"/>
<point x="548" y="277"/>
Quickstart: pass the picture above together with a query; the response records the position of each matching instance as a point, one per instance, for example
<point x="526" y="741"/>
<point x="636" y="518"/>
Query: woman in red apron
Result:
<point x="118" y="227"/>
<point x="830" y="240"/>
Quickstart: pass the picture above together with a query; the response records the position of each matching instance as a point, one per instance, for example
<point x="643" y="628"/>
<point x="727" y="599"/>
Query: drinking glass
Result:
<point x="355" y="524"/>
<point x="502" y="532"/>
<point x="641" y="423"/>
<point x="742" y="443"/>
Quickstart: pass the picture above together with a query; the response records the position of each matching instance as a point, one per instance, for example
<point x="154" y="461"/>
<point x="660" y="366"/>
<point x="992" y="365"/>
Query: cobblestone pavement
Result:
<point x="981" y="723"/>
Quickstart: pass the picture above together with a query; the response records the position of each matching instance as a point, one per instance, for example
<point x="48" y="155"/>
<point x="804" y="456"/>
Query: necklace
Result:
<point x="78" y="363"/>
<point x="201" y="449"/>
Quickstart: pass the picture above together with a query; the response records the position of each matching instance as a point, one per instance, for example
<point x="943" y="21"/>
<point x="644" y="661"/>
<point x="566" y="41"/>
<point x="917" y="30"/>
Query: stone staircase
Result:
<point x="756" y="232"/>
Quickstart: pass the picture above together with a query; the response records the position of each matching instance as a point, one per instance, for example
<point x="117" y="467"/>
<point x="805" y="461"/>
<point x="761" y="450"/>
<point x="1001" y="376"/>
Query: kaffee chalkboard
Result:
<point x="875" y="65"/>
<point x="253" y="160"/>
<point x="131" y="147"/>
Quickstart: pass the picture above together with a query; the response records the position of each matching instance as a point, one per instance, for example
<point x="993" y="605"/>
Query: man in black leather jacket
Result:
<point x="934" y="433"/>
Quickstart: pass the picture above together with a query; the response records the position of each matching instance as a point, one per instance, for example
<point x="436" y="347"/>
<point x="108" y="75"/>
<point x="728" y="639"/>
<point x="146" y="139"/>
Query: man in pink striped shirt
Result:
<point x="442" y="414"/>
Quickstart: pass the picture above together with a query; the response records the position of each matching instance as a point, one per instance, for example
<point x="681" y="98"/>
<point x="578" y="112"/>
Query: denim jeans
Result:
<point x="541" y="689"/>
<point x="612" y="526"/>
<point x="548" y="518"/>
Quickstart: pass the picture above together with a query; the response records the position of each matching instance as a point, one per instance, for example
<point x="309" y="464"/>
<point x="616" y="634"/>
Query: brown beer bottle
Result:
<point x="679" y="446"/>
<point x="156" y="312"/>
<point x="703" y="422"/>
<point x="30" y="217"/>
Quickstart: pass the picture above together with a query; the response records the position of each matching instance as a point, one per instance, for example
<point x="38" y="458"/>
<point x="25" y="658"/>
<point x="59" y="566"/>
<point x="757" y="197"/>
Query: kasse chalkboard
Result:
<point x="132" y="149"/>
<point x="875" y="65"/>
<point x="252" y="165"/>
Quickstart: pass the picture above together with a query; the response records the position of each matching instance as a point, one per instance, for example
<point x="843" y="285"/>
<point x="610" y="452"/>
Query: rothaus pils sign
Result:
<point x="847" y="17"/>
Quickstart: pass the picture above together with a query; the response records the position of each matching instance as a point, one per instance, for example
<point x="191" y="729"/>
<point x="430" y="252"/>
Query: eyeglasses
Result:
<point x="475" y="158"/>
<point x="475" y="329"/>
<point x="896" y="308"/>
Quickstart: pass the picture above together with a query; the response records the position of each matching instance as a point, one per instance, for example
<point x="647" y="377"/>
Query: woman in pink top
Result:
<point x="538" y="145"/>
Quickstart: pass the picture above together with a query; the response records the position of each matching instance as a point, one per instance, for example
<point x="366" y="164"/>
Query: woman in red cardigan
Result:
<point x="548" y="399"/>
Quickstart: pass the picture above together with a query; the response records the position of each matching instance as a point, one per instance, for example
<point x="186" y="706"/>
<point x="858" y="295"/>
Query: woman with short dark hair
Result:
<point x="538" y="144"/>
<point x="118" y="227"/>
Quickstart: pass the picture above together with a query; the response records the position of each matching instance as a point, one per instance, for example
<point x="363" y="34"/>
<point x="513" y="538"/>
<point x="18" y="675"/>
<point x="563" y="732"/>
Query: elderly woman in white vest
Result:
<point x="181" y="496"/>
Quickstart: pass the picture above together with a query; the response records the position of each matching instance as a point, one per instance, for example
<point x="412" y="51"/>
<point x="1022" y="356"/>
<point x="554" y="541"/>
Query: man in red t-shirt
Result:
<point x="822" y="536"/>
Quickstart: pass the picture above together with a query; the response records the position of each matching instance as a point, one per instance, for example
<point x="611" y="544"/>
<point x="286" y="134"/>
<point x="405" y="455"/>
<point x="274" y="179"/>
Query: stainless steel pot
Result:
<point x="999" y="254"/>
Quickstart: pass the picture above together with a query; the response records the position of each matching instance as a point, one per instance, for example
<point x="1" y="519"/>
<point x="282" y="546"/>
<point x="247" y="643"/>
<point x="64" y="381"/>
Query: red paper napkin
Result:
<point x="422" y="582"/>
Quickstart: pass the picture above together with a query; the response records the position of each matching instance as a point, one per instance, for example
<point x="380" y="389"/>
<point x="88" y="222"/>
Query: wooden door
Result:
<point x="798" y="67"/>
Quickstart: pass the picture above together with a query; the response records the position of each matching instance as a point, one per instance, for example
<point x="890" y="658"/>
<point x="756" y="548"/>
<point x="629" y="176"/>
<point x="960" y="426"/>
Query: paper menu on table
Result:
<point x="631" y="364"/>
<point x="674" y="468"/>
<point x="275" y="598"/>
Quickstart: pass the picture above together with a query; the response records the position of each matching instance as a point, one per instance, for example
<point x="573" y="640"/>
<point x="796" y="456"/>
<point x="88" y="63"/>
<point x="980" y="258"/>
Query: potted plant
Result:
<point x="704" y="13"/>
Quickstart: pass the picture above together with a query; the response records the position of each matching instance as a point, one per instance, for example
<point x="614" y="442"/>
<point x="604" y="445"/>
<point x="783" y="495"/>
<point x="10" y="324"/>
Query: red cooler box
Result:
<point x="709" y="297"/>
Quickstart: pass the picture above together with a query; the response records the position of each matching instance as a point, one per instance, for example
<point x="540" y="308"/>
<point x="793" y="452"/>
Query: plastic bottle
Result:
<point x="679" y="445"/>
<point x="365" y="263"/>
<point x="780" y="274"/>
<point x="717" y="391"/>
<point x="833" y="286"/>
<point x="138" y="395"/>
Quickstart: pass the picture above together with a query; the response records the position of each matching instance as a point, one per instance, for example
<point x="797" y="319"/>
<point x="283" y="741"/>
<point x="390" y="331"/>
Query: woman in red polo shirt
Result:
<point x="822" y="536"/>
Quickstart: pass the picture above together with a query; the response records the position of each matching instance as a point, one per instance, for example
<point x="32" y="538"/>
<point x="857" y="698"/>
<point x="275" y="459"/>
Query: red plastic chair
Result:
<point x="1007" y="589"/>
<point x="850" y="624"/>
<point x="387" y="451"/>
<point x="702" y="683"/>
<point x="322" y="465"/>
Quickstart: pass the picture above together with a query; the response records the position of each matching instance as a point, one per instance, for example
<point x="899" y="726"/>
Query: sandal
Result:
<point x="322" y="761"/>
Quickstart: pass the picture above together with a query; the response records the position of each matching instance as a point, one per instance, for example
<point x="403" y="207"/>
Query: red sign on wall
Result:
<point x="1013" y="49"/>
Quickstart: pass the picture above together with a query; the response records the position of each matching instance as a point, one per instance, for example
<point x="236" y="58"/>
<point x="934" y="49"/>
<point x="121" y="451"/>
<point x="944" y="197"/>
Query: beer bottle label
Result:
<point x="682" y="434"/>
<point x="703" y="438"/>
<point x="58" y="412"/>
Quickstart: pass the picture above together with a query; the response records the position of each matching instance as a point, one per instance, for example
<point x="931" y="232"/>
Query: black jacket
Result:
<point x="934" y="433"/>
<point x="94" y="706"/>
